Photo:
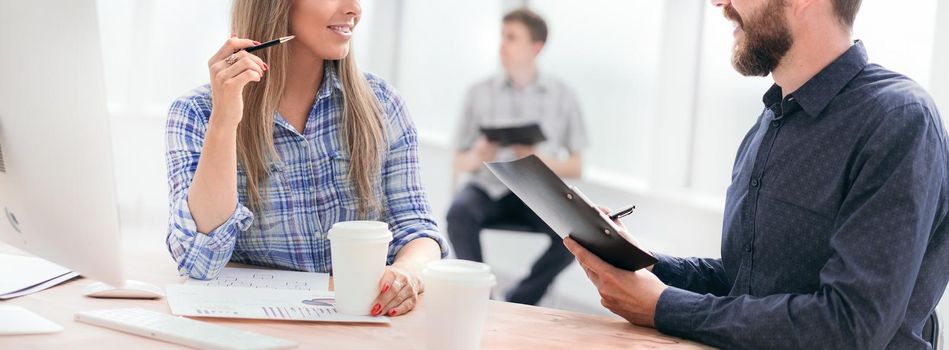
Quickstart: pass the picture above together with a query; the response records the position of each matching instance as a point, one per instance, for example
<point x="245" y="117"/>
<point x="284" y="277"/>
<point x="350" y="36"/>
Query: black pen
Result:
<point x="270" y="43"/>
<point x="622" y="212"/>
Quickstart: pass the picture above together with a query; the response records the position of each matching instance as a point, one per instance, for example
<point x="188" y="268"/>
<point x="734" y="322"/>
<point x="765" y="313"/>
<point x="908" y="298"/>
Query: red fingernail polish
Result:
<point x="391" y="312"/>
<point x="385" y="287"/>
<point x="233" y="35"/>
<point x="375" y="309"/>
<point x="256" y="42"/>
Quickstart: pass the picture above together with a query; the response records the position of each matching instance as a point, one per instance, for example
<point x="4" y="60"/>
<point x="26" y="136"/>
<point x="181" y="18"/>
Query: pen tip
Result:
<point x="287" y="38"/>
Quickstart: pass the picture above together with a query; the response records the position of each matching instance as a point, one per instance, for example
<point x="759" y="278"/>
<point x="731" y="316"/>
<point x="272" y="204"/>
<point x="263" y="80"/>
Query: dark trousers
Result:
<point x="473" y="210"/>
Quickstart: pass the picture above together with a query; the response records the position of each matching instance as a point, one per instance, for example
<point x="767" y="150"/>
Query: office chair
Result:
<point x="932" y="331"/>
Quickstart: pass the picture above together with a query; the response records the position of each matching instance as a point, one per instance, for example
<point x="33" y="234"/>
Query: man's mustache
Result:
<point x="731" y="14"/>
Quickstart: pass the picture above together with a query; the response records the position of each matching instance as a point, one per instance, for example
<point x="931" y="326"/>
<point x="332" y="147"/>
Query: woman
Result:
<point x="296" y="140"/>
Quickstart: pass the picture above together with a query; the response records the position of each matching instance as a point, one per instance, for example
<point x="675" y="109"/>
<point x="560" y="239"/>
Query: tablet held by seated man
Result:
<point x="527" y="135"/>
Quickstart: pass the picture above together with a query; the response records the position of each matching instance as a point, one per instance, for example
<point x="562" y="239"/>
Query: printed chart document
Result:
<point x="261" y="294"/>
<point x="258" y="303"/>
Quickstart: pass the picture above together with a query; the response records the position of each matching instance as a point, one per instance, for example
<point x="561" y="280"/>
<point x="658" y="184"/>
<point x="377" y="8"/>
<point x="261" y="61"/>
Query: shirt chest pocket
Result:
<point x="792" y="241"/>
<point x="798" y="200"/>
<point x="342" y="189"/>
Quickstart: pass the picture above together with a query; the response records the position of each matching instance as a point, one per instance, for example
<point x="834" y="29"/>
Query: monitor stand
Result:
<point x="131" y="290"/>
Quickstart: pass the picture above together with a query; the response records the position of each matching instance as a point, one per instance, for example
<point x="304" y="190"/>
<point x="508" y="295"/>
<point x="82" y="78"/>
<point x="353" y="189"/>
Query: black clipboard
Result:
<point x="569" y="213"/>
<point x="518" y="135"/>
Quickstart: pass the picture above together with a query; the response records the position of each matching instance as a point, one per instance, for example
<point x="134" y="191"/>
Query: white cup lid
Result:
<point x="460" y="271"/>
<point x="361" y="230"/>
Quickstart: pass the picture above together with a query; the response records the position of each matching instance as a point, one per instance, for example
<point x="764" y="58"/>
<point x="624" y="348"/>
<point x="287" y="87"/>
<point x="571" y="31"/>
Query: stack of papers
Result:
<point x="261" y="294"/>
<point x="24" y="275"/>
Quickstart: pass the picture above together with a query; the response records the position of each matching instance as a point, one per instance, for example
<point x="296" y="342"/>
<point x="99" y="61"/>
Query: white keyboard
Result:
<point x="180" y="330"/>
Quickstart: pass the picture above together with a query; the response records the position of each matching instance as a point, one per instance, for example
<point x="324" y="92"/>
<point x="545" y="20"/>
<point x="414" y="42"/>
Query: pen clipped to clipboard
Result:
<point x="570" y="213"/>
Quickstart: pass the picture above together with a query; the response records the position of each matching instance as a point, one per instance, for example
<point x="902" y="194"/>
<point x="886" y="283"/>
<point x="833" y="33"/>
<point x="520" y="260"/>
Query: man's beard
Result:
<point x="767" y="38"/>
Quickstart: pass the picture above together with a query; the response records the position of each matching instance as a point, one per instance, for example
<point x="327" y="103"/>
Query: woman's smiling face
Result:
<point x="324" y="27"/>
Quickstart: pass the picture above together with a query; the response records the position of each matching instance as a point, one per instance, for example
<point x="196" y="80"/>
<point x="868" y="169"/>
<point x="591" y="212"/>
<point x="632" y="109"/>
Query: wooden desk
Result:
<point x="509" y="326"/>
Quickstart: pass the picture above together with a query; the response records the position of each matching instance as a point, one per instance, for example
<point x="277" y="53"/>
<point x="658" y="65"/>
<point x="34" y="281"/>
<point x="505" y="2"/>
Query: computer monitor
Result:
<point x="57" y="188"/>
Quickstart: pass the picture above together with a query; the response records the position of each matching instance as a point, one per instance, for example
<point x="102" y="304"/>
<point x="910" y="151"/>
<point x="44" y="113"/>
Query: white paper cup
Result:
<point x="359" y="250"/>
<point x="456" y="297"/>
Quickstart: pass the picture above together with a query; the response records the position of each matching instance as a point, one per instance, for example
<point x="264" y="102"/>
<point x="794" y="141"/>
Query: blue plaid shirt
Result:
<point x="308" y="188"/>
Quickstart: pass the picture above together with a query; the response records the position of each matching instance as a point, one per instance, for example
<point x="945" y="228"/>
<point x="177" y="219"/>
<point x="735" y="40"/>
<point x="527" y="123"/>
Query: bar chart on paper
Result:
<point x="272" y="312"/>
<point x="297" y="313"/>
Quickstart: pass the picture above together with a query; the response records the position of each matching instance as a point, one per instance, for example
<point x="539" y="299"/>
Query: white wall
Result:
<point x="446" y="46"/>
<point x="599" y="49"/>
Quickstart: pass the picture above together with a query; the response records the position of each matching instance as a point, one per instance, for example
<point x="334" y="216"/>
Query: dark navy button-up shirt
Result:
<point x="835" y="232"/>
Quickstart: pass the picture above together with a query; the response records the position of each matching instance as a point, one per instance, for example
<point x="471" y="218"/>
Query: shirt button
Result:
<point x="754" y="182"/>
<point x="748" y="247"/>
<point x="776" y="124"/>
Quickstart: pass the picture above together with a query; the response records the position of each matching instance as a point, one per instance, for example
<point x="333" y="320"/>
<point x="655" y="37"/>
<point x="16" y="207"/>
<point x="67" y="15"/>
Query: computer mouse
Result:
<point x="131" y="290"/>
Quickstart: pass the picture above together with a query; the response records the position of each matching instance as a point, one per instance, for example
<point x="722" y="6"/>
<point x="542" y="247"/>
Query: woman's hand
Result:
<point x="399" y="291"/>
<point x="229" y="76"/>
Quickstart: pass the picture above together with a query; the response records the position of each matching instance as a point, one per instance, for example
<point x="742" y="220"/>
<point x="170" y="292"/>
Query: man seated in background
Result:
<point x="517" y="97"/>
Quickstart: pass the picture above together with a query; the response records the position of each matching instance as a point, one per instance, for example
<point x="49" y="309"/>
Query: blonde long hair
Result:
<point x="363" y="131"/>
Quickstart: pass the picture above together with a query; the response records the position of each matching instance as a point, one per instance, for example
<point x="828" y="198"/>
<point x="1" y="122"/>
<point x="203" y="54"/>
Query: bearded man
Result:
<point x="835" y="230"/>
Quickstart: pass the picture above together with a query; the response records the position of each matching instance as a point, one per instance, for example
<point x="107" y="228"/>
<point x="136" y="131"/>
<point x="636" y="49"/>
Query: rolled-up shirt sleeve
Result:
<point x="880" y="235"/>
<point x="198" y="255"/>
<point x="406" y="206"/>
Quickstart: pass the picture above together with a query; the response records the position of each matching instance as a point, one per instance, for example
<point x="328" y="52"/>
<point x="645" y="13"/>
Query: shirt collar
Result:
<point x="331" y="80"/>
<point x="503" y="81"/>
<point x="820" y="90"/>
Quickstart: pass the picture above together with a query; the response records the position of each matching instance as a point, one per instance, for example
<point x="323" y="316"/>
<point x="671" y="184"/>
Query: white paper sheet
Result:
<point x="39" y="287"/>
<point x="25" y="273"/>
<point x="260" y="278"/>
<point x="258" y="303"/>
